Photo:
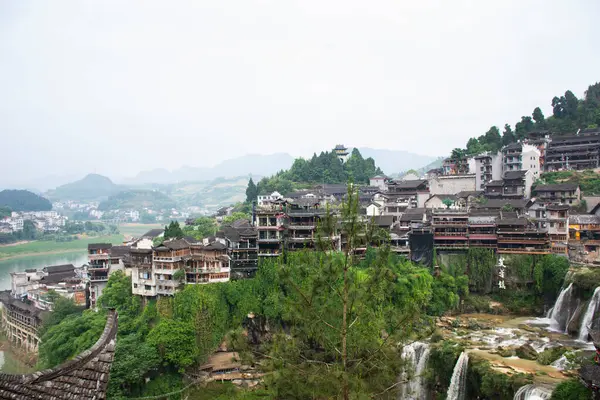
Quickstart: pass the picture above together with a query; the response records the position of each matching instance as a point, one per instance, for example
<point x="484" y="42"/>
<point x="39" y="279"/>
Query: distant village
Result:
<point x="488" y="201"/>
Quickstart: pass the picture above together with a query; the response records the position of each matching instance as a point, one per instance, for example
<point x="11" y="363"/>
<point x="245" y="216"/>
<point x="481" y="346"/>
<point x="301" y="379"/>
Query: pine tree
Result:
<point x="251" y="191"/>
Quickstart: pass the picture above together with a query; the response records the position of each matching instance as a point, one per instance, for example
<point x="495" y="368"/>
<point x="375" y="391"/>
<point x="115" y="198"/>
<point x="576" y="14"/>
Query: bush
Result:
<point x="548" y="356"/>
<point x="572" y="389"/>
<point x="485" y="382"/>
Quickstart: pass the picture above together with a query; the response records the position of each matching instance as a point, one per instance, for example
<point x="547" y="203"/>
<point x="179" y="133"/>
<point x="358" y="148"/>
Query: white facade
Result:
<point x="378" y="181"/>
<point x="262" y="200"/>
<point x="374" y="209"/>
<point x="451" y="184"/>
<point x="488" y="167"/>
<point x="530" y="160"/>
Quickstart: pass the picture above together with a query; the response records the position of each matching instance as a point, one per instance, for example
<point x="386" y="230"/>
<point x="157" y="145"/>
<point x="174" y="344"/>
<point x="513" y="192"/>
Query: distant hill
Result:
<point x="24" y="200"/>
<point x="251" y="164"/>
<point x="137" y="199"/>
<point x="395" y="161"/>
<point x="92" y="187"/>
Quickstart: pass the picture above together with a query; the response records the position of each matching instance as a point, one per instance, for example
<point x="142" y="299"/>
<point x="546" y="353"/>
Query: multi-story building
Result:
<point x="100" y="265"/>
<point x="167" y="259"/>
<point x="208" y="263"/>
<point x="450" y="228"/>
<point x="303" y="218"/>
<point x="488" y="167"/>
<point x="482" y="229"/>
<point x="517" y="184"/>
<point x="460" y="166"/>
<point x="584" y="237"/>
<point x="241" y="239"/>
<point x="269" y="220"/>
<point x="558" y="227"/>
<point x="20" y="322"/>
<point x="519" y="236"/>
<point x="566" y="193"/>
<point x="415" y="190"/>
<point x="143" y="280"/>
<point x="576" y="152"/>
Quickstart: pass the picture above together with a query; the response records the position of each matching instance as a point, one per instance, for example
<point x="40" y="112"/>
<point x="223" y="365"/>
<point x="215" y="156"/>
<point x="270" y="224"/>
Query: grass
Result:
<point x="52" y="247"/>
<point x="137" y="229"/>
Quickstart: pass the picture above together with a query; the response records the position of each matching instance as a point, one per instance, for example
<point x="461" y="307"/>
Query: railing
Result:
<point x="167" y="259"/>
<point x="449" y="223"/>
<point x="245" y="248"/>
<point x="104" y="256"/>
<point x="269" y="240"/>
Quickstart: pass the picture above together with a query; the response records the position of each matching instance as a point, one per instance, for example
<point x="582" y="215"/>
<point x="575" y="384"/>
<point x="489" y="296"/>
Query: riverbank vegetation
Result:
<point x="38" y="247"/>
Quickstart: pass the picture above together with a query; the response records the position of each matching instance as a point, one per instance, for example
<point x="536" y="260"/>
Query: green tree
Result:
<point x="538" y="117"/>
<point x="235" y="216"/>
<point x="251" y="191"/>
<point x="523" y="127"/>
<point x="338" y="307"/>
<point x="5" y="212"/>
<point x="173" y="231"/>
<point x="508" y="136"/>
<point x="493" y="140"/>
<point x="201" y="228"/>
<point x="29" y="230"/>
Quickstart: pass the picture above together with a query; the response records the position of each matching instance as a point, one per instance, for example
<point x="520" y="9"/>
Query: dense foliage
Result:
<point x="324" y="168"/>
<point x="572" y="389"/>
<point x="91" y="187"/>
<point x="588" y="181"/>
<point x="568" y="115"/>
<point x="138" y="199"/>
<point x="23" y="200"/>
<point x="173" y="231"/>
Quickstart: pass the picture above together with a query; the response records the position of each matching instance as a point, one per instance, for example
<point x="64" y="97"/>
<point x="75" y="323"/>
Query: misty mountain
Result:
<point x="394" y="161"/>
<point x="92" y="187"/>
<point x="251" y="164"/>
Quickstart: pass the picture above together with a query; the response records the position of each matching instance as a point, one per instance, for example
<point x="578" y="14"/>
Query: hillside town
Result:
<point x="44" y="221"/>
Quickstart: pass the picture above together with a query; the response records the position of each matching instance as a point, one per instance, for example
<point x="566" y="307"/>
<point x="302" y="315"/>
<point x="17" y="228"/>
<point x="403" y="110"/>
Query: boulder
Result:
<point x="526" y="352"/>
<point x="506" y="351"/>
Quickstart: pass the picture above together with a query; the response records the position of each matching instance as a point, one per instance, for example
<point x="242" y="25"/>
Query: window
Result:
<point x="551" y="224"/>
<point x="147" y="287"/>
<point x="135" y="285"/>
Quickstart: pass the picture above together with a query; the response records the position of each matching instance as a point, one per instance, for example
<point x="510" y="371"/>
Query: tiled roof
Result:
<point x="153" y="233"/>
<point x="51" y="269"/>
<point x="99" y="246"/>
<point x="558" y="207"/>
<point x="558" y="187"/>
<point x="120" y="251"/>
<point x="177" y="244"/>
<point x="514" y="174"/>
<point x="383" y="220"/>
<point x="82" y="378"/>
<point x="584" y="219"/>
<point x="410" y="184"/>
<point x="513" y="146"/>
<point x="495" y="183"/>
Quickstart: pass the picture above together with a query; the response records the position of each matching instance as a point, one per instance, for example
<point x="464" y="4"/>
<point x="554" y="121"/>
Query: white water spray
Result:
<point x="415" y="355"/>
<point x="561" y="312"/>
<point x="458" y="384"/>
<point x="532" y="392"/>
<point x="586" y="322"/>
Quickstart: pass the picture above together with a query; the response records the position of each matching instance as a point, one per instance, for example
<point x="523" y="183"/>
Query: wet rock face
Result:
<point x="506" y="351"/>
<point x="257" y="328"/>
<point x="527" y="352"/>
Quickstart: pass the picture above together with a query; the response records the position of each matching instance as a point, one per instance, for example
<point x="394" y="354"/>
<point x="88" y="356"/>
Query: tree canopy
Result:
<point x="568" y="115"/>
<point x="23" y="200"/>
<point x="323" y="168"/>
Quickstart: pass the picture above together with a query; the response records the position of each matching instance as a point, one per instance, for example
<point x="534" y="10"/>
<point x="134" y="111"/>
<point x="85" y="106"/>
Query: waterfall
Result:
<point x="586" y="322"/>
<point x="562" y="310"/>
<point x="532" y="392"/>
<point x="415" y="355"/>
<point x="458" y="383"/>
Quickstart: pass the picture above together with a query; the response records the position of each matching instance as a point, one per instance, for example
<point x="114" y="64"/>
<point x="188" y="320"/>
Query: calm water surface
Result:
<point x="22" y="263"/>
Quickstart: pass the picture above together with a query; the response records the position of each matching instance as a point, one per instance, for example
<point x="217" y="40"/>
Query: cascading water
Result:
<point x="415" y="355"/>
<point x="588" y="318"/>
<point x="458" y="383"/>
<point x="532" y="392"/>
<point x="562" y="311"/>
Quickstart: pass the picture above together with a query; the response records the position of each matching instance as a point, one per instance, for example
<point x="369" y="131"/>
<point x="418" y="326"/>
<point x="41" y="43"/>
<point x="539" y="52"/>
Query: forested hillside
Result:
<point x="324" y="168"/>
<point x="24" y="200"/>
<point x="137" y="199"/>
<point x="568" y="115"/>
<point x="91" y="187"/>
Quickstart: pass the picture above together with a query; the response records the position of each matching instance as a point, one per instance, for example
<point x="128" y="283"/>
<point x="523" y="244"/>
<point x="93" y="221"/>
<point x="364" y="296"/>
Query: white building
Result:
<point x="267" y="199"/>
<point x="451" y="184"/>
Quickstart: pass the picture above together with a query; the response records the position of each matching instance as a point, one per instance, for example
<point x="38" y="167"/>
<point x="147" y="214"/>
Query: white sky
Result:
<point x="115" y="87"/>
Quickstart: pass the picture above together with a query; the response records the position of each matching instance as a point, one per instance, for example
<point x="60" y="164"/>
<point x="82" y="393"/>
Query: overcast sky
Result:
<point x="115" y="87"/>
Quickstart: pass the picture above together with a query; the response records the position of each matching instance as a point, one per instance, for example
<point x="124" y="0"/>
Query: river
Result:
<point x="76" y="258"/>
<point x="8" y="362"/>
